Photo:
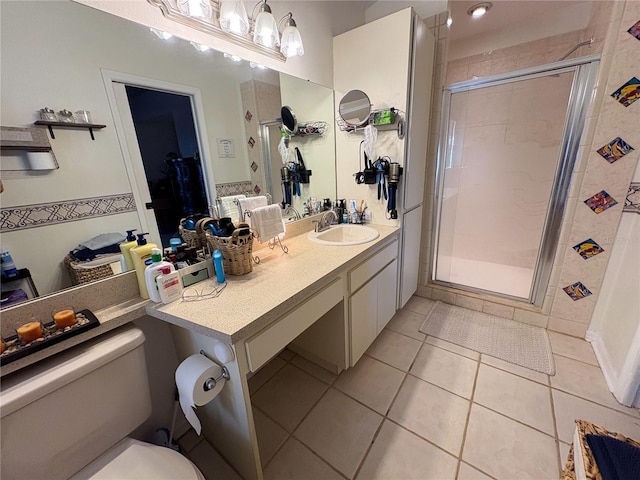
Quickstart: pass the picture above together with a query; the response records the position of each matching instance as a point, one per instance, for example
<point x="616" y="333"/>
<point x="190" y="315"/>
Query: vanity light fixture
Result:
<point x="233" y="58"/>
<point x="200" y="47"/>
<point x="161" y="34"/>
<point x="478" y="10"/>
<point x="265" y="28"/>
<point x="195" y="8"/>
<point x="291" y="44"/>
<point x="233" y="17"/>
<point x="258" y="66"/>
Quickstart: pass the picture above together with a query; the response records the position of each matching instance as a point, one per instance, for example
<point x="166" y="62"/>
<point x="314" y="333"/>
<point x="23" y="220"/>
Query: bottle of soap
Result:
<point x="153" y="271"/>
<point x="125" y="248"/>
<point x="169" y="285"/>
<point x="140" y="255"/>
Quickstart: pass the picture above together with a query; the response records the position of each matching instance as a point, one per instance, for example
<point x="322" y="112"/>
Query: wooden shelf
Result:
<point x="85" y="126"/>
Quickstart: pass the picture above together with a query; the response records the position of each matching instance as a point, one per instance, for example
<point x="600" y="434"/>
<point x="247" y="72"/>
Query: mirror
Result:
<point x="355" y="108"/>
<point x="91" y="192"/>
<point x="289" y="119"/>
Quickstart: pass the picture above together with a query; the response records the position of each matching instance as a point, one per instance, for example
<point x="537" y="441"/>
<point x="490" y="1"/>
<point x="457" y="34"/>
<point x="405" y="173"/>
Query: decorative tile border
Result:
<point x="632" y="202"/>
<point x="577" y="291"/>
<point x="615" y="150"/>
<point x="600" y="202"/>
<point x="628" y="93"/>
<point x="234" y="188"/>
<point x="589" y="248"/>
<point x="44" y="214"/>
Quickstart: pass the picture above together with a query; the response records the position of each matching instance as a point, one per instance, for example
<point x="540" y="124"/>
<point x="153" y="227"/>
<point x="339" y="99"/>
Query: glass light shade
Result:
<point x="266" y="30"/>
<point x="291" y="44"/>
<point x="195" y="8"/>
<point x="233" y="17"/>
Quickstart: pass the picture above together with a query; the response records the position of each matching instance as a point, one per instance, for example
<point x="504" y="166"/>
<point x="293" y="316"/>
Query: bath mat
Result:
<point x="508" y="340"/>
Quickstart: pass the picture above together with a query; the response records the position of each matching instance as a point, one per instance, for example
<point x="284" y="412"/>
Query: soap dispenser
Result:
<point x="140" y="255"/>
<point x="125" y="248"/>
<point x="154" y="270"/>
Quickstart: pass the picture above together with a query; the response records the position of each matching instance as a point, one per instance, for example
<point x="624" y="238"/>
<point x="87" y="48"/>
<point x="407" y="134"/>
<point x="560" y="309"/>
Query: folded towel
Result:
<point x="103" y="240"/>
<point x="267" y="222"/>
<point x="228" y="208"/>
<point x="249" y="204"/>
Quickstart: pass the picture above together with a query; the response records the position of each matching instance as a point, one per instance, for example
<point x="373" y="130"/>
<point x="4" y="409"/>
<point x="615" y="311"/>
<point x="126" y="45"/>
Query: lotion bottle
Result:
<point x="125" y="248"/>
<point x="140" y="255"/>
<point x="153" y="271"/>
<point x="169" y="285"/>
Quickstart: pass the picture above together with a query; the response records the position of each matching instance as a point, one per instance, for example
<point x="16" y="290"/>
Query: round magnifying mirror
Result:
<point x="288" y="119"/>
<point x="355" y="108"/>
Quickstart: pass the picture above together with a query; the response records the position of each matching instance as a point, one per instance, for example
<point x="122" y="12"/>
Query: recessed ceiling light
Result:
<point x="479" y="9"/>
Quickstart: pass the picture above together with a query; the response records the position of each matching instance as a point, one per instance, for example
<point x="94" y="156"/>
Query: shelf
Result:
<point x="85" y="126"/>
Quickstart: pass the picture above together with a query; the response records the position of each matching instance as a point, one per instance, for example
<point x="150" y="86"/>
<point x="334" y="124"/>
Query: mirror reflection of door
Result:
<point x="270" y="135"/>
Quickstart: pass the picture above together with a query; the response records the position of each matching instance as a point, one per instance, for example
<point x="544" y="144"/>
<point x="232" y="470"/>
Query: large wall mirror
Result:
<point x="203" y="118"/>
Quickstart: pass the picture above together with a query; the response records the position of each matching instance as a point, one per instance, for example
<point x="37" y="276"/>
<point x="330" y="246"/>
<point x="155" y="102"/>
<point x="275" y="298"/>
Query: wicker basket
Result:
<point x="236" y="250"/>
<point x="194" y="238"/>
<point x="84" y="275"/>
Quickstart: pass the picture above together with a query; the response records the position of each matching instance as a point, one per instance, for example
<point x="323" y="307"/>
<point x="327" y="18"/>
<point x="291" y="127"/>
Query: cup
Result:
<point x="83" y="116"/>
<point x="65" y="116"/>
<point x="64" y="317"/>
<point x="30" y="331"/>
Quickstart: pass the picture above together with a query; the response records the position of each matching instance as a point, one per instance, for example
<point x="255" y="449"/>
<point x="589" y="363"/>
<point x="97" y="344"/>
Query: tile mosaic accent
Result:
<point x="577" y="291"/>
<point x="632" y="202"/>
<point x="248" y="116"/>
<point x="251" y="142"/>
<point x="628" y="93"/>
<point x="257" y="190"/>
<point x="254" y="166"/>
<point x="600" y="202"/>
<point x="44" y="214"/>
<point x="635" y="30"/>
<point x="587" y="249"/>
<point x="234" y="188"/>
<point x="615" y="150"/>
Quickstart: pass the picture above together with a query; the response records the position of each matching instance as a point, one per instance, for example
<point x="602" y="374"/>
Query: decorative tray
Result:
<point x="16" y="348"/>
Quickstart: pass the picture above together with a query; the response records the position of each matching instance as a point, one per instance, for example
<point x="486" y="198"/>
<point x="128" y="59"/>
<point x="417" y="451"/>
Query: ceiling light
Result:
<point x="161" y="34"/>
<point x="479" y="9"/>
<point x="291" y="43"/>
<point x="200" y="47"/>
<point x="265" y="28"/>
<point x="195" y="8"/>
<point x="233" y="58"/>
<point x="233" y="17"/>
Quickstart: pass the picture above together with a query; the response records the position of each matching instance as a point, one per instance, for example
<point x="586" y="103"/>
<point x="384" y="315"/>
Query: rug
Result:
<point x="508" y="340"/>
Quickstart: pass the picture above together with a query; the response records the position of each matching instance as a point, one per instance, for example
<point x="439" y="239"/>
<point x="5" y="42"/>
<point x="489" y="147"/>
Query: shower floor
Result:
<point x="494" y="277"/>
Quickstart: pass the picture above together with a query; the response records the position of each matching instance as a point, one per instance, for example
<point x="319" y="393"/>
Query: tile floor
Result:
<point x="417" y="407"/>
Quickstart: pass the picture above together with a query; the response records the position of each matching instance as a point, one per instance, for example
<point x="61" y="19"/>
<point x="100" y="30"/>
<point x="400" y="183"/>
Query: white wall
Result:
<point x="424" y="9"/>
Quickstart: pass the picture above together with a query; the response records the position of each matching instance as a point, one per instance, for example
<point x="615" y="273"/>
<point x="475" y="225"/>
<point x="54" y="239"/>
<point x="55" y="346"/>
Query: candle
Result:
<point x="64" y="318"/>
<point x="30" y="331"/>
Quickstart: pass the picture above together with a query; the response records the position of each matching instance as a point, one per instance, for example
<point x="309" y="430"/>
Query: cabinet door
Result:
<point x="387" y="281"/>
<point x="363" y="308"/>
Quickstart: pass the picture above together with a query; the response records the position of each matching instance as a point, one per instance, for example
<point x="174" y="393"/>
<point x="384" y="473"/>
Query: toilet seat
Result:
<point x="132" y="459"/>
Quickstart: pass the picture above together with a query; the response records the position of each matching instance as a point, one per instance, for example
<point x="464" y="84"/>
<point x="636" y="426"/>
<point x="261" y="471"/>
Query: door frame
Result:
<point x="131" y="152"/>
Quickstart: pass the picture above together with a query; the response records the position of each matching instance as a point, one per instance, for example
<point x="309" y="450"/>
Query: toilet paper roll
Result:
<point x="41" y="161"/>
<point x="191" y="379"/>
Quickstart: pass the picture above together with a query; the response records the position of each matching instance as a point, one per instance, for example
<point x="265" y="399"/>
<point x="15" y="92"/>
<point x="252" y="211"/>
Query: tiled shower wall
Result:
<point x="569" y="311"/>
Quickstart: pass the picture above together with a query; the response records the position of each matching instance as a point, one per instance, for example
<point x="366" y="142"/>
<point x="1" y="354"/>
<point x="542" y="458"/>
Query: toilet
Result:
<point x="70" y="416"/>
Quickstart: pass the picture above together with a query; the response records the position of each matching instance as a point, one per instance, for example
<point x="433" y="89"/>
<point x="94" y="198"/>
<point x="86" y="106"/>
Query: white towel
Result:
<point x="228" y="207"/>
<point x="248" y="204"/>
<point x="267" y="222"/>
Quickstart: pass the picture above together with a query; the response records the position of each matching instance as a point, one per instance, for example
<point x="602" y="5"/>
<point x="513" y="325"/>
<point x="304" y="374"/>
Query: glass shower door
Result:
<point x="503" y="162"/>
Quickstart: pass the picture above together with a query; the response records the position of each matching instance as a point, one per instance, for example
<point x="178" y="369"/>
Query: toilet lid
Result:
<point x="132" y="459"/>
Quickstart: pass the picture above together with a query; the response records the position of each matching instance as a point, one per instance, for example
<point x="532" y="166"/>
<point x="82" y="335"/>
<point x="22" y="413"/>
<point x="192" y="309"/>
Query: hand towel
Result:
<point x="228" y="208"/>
<point x="248" y="204"/>
<point x="267" y="222"/>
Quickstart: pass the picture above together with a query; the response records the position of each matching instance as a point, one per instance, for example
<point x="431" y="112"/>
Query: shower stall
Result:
<point x="505" y="160"/>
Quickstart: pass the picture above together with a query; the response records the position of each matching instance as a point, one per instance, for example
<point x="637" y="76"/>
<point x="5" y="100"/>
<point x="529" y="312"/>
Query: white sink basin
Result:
<point x="344" y="235"/>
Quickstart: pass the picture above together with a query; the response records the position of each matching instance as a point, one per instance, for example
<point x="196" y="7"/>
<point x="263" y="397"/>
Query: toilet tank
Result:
<point x="61" y="413"/>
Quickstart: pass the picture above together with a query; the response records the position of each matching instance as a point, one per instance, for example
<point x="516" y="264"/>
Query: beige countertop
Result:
<point x="278" y="283"/>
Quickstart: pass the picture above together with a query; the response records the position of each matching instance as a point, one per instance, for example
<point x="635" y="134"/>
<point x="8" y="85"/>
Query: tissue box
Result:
<point x="196" y="273"/>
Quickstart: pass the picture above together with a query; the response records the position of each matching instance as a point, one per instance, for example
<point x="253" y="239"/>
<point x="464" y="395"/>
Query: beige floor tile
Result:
<point x="211" y="464"/>
<point x="371" y="382"/>
<point x="407" y="323"/>
<point x="515" y="369"/>
<point x="569" y="408"/>
<point x="295" y="461"/>
<point x="572" y="347"/>
<point x="586" y="381"/>
<point x="395" y="349"/>
<point x="516" y="397"/>
<point x="431" y="412"/>
<point x="263" y="375"/>
<point x="452" y="347"/>
<point x="289" y="396"/>
<point x="504" y="448"/>
<point x="419" y="305"/>
<point x="313" y="369"/>
<point x="467" y="472"/>
<point x="339" y="430"/>
<point x="445" y="369"/>
<point x="287" y="355"/>
<point x="270" y="435"/>
<point x="399" y="454"/>
<point x="189" y="440"/>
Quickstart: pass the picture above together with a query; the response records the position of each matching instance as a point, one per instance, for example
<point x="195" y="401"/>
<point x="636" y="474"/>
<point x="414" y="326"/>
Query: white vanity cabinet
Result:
<point x="373" y="287"/>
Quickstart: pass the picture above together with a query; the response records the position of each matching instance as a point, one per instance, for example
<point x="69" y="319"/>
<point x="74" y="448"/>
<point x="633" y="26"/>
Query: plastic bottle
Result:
<point x="153" y="271"/>
<point x="169" y="285"/>
<point x="125" y="248"/>
<point x="8" y="267"/>
<point x="140" y="255"/>
<point x="217" y="262"/>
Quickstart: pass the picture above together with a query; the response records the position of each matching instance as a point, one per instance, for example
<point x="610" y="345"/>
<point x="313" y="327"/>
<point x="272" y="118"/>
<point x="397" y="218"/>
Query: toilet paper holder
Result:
<point x="211" y="382"/>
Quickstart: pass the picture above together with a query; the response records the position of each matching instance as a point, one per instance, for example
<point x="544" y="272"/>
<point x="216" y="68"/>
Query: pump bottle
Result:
<point x="140" y="255"/>
<point x="125" y="248"/>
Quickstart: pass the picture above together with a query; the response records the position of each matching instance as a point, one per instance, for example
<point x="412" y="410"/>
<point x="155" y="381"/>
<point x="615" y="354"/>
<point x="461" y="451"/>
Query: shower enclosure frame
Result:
<point x="580" y="99"/>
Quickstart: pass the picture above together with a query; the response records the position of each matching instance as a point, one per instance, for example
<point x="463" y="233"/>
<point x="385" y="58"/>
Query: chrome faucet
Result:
<point x="325" y="222"/>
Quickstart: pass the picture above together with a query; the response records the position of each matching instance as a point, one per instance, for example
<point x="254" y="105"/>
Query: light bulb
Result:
<point x="291" y="45"/>
<point x="266" y="29"/>
<point x="200" y="47"/>
<point x="233" y="17"/>
<point x="195" y="8"/>
<point x="161" y="34"/>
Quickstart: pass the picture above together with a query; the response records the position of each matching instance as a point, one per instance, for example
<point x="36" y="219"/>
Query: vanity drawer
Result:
<point x="264" y="345"/>
<point x="361" y="274"/>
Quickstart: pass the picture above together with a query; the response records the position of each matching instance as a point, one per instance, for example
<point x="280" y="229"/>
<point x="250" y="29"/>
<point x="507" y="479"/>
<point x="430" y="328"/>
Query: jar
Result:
<point x="66" y="116"/>
<point x="48" y="115"/>
<point x="83" y="116"/>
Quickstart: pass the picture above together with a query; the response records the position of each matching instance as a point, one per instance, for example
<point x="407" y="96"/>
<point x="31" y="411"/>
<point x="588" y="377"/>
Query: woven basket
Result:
<point x="194" y="238"/>
<point x="236" y="250"/>
<point x="84" y="275"/>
